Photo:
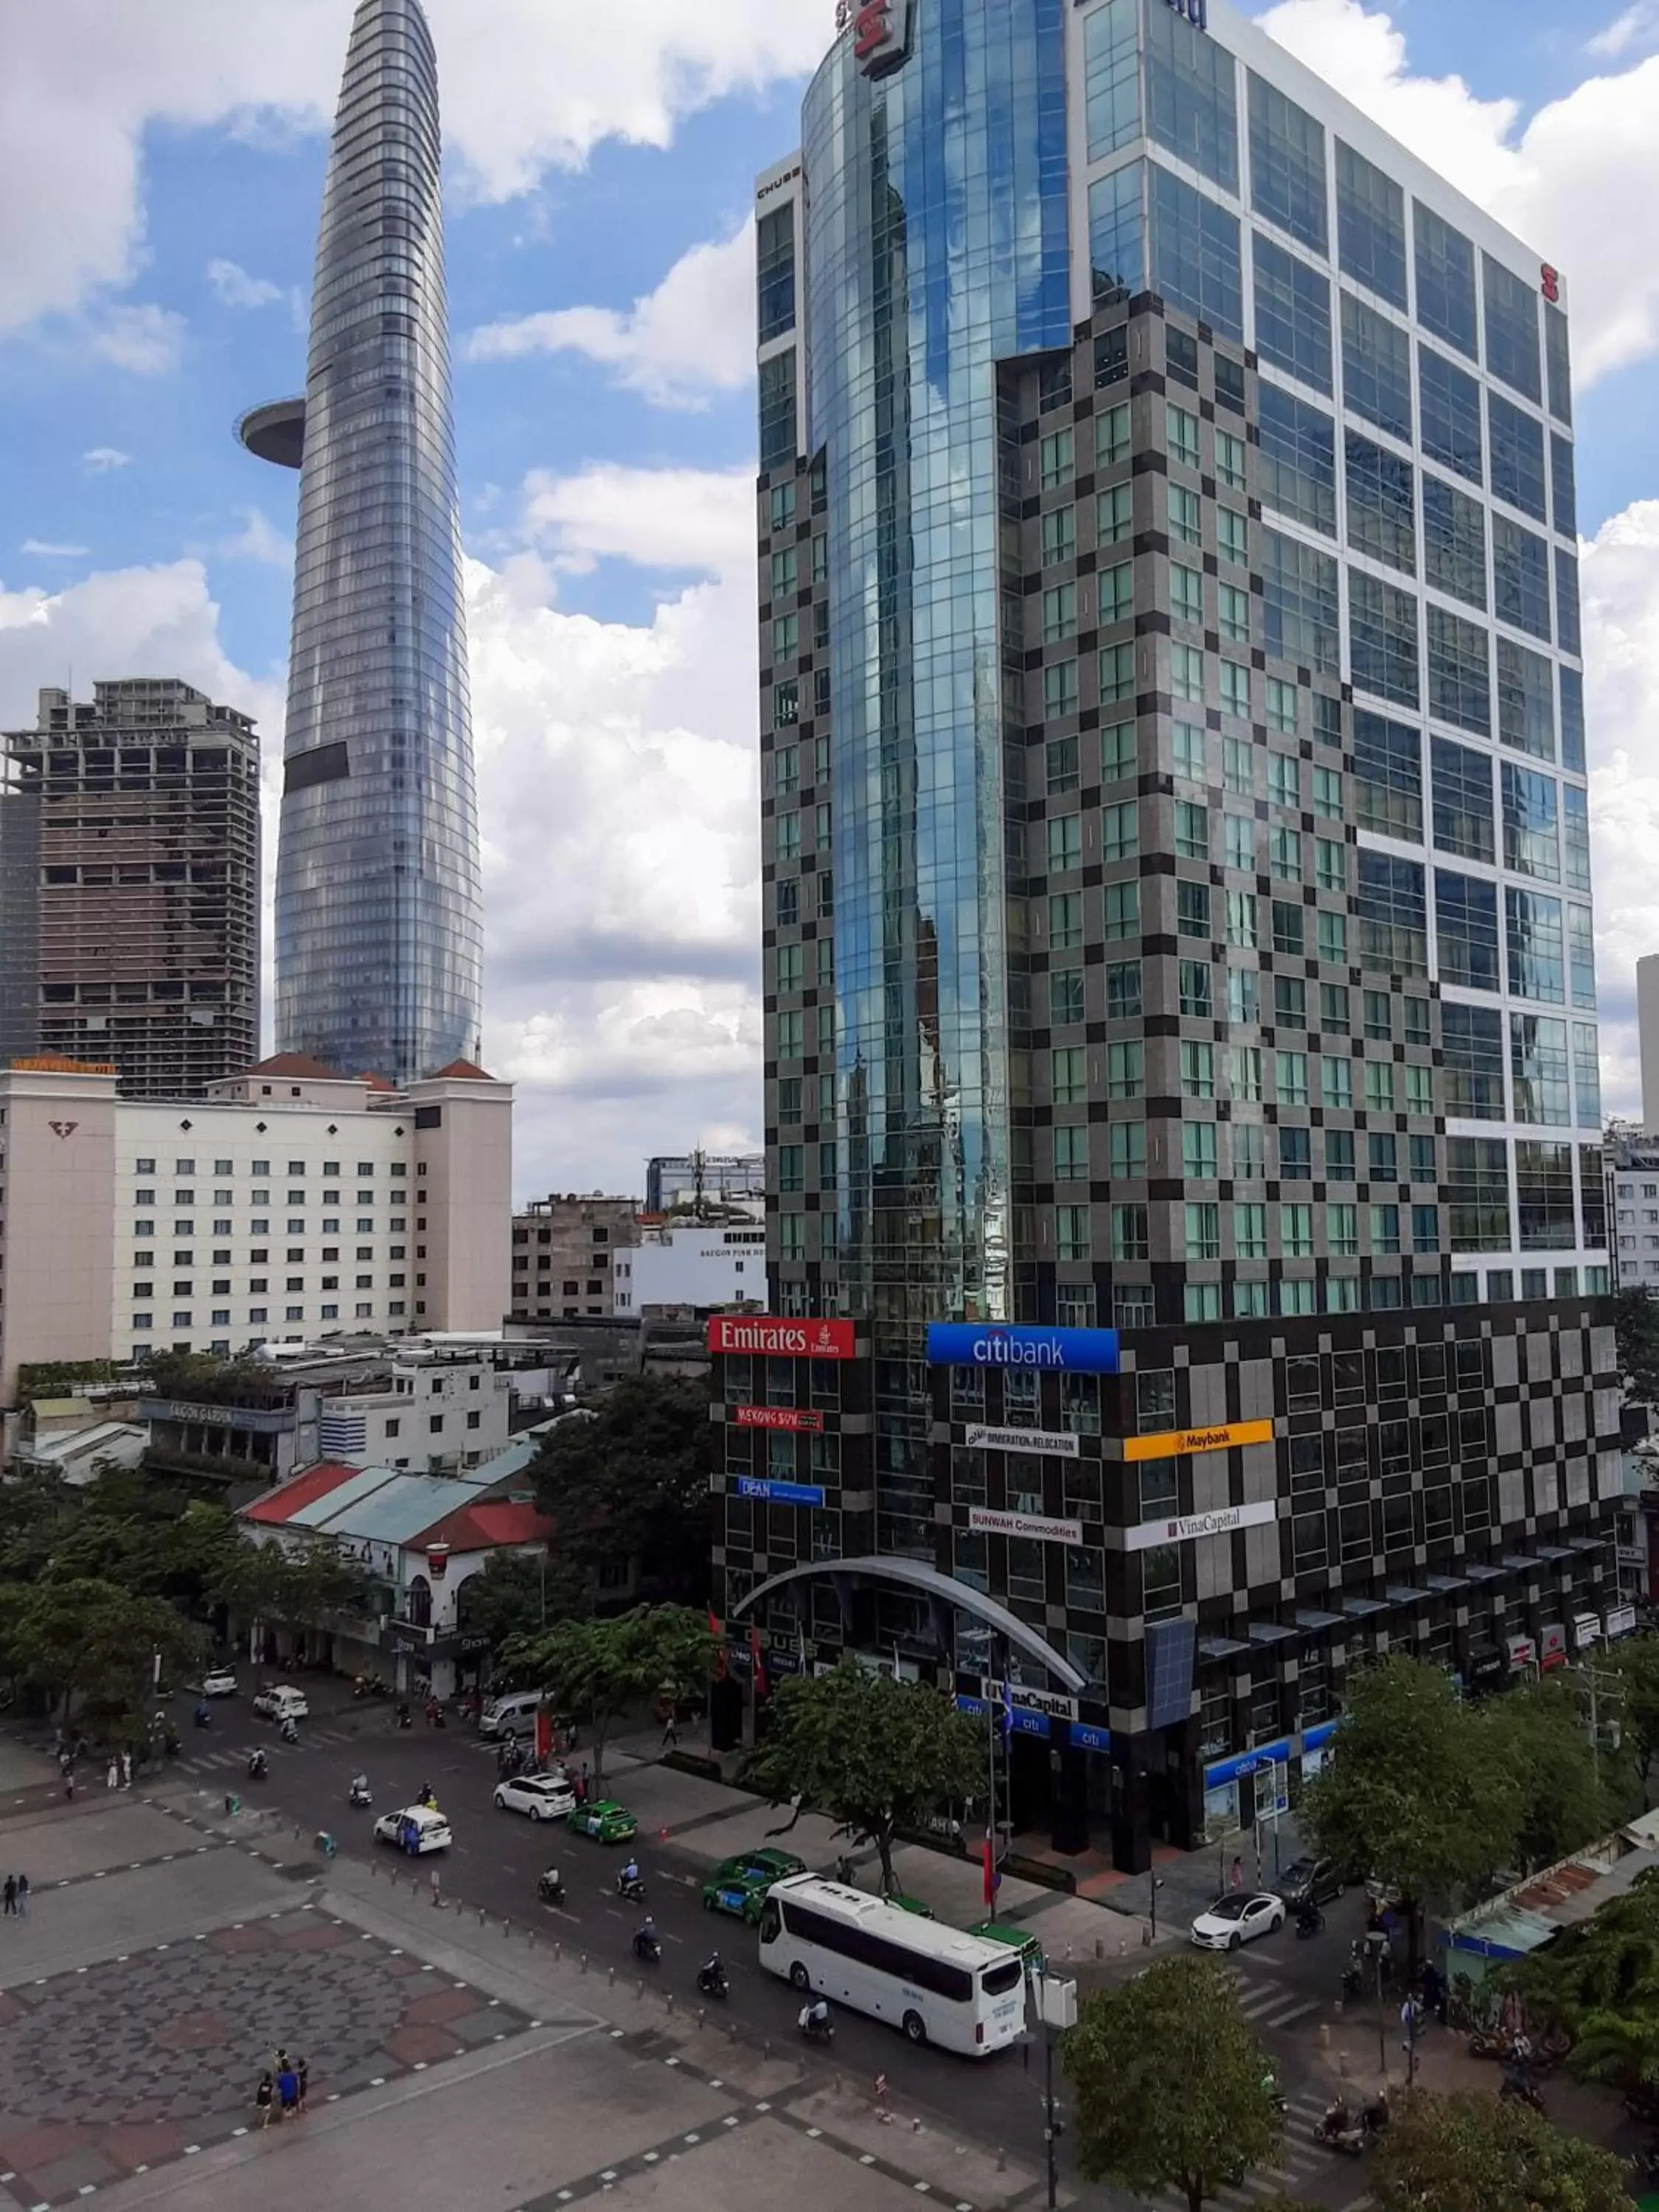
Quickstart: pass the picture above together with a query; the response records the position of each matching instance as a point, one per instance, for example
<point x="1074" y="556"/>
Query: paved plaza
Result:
<point x="458" y="2063"/>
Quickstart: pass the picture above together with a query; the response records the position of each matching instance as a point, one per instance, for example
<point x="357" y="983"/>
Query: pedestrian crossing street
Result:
<point x="225" y="1756"/>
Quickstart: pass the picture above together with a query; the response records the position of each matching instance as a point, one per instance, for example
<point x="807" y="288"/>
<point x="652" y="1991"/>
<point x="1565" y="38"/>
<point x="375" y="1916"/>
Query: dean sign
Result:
<point x="1003" y="1344"/>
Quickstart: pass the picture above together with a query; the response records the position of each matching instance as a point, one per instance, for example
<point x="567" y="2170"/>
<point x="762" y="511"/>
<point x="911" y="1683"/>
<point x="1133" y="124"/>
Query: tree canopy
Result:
<point x="1569" y="1794"/>
<point x="1600" y="1980"/>
<point x="1636" y="1329"/>
<point x="628" y="1487"/>
<point x="1471" y="2153"/>
<point x="874" y="1755"/>
<point x="1171" y="2089"/>
<point x="1420" y="1790"/>
<point x="598" y="1670"/>
<point x="1629" y="1696"/>
<point x="96" y="1581"/>
<point x="519" y="1594"/>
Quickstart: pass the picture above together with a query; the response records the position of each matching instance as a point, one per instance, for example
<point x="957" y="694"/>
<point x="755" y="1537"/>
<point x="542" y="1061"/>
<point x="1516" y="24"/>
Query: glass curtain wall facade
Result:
<point x="1177" y="908"/>
<point x="379" y="937"/>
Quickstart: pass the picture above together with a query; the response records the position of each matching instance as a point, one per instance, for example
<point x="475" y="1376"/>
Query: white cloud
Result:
<point x="45" y="550"/>
<point x="527" y="88"/>
<point x="1574" y="182"/>
<point x="101" y="460"/>
<point x="145" y="340"/>
<point x="688" y="519"/>
<point x="260" y="539"/>
<point x="236" y="288"/>
<point x="694" y="334"/>
<point x="1634" y="27"/>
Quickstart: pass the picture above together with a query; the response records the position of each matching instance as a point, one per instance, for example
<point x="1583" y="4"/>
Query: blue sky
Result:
<point x="165" y="174"/>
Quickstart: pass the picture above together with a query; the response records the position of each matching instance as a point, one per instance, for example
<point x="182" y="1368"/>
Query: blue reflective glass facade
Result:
<point x="937" y="244"/>
<point x="379" y="939"/>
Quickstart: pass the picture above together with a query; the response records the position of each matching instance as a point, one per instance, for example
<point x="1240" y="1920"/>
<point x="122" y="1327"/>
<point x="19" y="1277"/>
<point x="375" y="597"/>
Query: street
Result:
<point x="1288" y="1985"/>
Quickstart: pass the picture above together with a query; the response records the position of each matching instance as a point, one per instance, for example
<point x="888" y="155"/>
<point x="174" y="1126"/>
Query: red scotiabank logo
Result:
<point x="778" y="1338"/>
<point x="1550" y="280"/>
<point x="873" y="26"/>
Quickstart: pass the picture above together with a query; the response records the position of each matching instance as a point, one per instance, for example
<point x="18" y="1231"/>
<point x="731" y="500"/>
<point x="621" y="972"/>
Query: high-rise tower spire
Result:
<point x="378" y="928"/>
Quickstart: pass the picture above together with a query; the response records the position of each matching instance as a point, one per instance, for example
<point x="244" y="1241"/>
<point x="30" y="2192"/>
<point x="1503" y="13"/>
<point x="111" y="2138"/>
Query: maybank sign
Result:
<point x="1173" y="1444"/>
<point x="1001" y="1344"/>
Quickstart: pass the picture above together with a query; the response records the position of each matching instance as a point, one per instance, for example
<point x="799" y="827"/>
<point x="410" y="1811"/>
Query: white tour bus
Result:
<point x="934" y="1983"/>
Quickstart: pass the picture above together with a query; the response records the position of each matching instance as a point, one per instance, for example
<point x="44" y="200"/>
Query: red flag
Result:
<point x="761" y="1685"/>
<point x="988" y="1851"/>
<point x="717" y="1630"/>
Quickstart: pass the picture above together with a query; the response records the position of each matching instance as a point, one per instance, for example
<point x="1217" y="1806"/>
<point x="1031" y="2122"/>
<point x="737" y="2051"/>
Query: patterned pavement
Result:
<point x="123" y="2066"/>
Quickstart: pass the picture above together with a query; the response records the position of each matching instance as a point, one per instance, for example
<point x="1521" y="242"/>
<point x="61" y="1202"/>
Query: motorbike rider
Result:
<point x="359" y="1790"/>
<point x="290" y="1729"/>
<point x="203" y="1717"/>
<point x="630" y="1875"/>
<point x="647" y="1941"/>
<point x="256" y="1764"/>
<point x="427" y="1797"/>
<point x="1336" y="2121"/>
<point x="712" y="1970"/>
<point x="552" y="1885"/>
<point x="815" y="2015"/>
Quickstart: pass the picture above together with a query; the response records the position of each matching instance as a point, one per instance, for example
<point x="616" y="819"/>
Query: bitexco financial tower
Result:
<point x="378" y="928"/>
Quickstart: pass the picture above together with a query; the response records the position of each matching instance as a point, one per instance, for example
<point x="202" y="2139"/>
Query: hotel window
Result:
<point x="1298" y="458"/>
<point x="1382" y="637"/>
<point x="1376" y="368"/>
<point x="1292" y="314"/>
<point x="1287" y="165"/>
<point x="1449" y="403"/>
<point x="1511" y="329"/>
<point x="1517" y="457"/>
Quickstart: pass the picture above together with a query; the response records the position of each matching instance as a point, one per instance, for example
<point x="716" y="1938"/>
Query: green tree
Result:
<point x="598" y="1670"/>
<point x="1627" y="1693"/>
<point x="88" y="1640"/>
<point x="875" y="1755"/>
<point x="1471" y="2153"/>
<point x="1568" y="1797"/>
<point x="1600" y="1981"/>
<point x="1171" y="2089"/>
<point x="1636" y="1332"/>
<point x="628" y="1488"/>
<point x="1418" y="1791"/>
<point x="521" y="1595"/>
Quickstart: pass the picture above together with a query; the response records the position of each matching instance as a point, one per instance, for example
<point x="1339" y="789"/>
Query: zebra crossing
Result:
<point x="229" y="1755"/>
<point x="1269" y="2006"/>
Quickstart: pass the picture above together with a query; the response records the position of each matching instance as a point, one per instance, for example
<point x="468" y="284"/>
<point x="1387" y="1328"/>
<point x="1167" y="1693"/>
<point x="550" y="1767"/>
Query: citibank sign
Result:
<point x="881" y="32"/>
<point x="1001" y="1344"/>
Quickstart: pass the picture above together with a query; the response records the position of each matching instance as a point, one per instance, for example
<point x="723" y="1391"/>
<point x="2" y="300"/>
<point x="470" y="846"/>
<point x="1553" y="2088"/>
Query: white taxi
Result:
<point x="416" y="1829"/>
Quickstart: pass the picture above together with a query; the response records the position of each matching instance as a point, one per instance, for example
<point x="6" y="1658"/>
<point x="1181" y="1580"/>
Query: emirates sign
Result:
<point x="777" y="1339"/>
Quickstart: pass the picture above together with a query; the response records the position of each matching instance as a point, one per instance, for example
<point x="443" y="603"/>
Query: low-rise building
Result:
<point x="1632" y="1172"/>
<point x="702" y="1179"/>
<point x="692" y="1266"/>
<point x="563" y="1256"/>
<point x="292" y="1205"/>
<point x="420" y="1539"/>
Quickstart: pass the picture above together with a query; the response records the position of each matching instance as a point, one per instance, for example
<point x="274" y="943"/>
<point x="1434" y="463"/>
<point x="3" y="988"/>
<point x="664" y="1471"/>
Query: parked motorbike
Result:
<point x="1489" y="2042"/>
<point x="406" y="1718"/>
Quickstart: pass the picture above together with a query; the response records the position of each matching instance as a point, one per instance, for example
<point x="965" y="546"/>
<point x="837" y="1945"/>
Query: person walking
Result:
<point x="68" y="1782"/>
<point x="262" y="2100"/>
<point x="671" y="1736"/>
<point x="23" y="1896"/>
<point x="288" y="2090"/>
<point x="302" y="2075"/>
<point x="112" y="1778"/>
<point x="1239" y="1871"/>
<point x="127" y="1770"/>
<point x="11" y="1893"/>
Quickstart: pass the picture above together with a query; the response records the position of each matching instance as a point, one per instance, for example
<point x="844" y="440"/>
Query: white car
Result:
<point x="281" y="1702"/>
<point x="415" y="1829"/>
<point x="1237" y="1918"/>
<point x="219" y="1682"/>
<point x="544" y="1796"/>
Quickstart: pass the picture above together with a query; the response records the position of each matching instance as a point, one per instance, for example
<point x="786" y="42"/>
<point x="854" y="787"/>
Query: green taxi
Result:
<point x="738" y="1886"/>
<point x="605" y="1820"/>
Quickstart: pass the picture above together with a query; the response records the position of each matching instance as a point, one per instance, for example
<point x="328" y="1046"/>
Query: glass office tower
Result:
<point x="379" y="937"/>
<point x="1177" y="915"/>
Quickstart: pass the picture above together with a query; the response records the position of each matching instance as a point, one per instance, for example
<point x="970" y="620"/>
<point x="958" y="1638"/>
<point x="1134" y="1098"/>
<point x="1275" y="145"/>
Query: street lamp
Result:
<point x="1157" y="1883"/>
<point x="1056" y="2003"/>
